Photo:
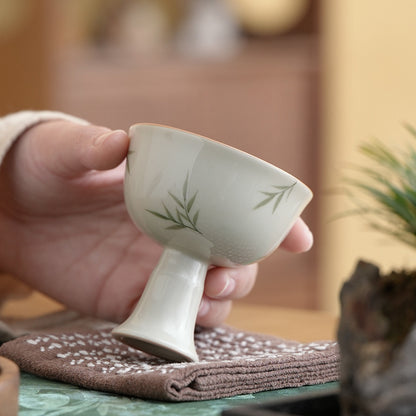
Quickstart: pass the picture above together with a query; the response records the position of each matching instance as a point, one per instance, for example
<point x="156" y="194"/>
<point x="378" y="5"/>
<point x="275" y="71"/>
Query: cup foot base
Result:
<point x="158" y="349"/>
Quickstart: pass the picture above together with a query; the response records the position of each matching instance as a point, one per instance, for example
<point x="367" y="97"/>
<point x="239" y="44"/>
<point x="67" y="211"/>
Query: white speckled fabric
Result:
<point x="231" y="362"/>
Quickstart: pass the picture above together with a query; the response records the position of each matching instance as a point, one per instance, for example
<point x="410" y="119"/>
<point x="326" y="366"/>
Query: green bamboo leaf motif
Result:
<point x="185" y="187"/>
<point x="177" y="200"/>
<point x="289" y="192"/>
<point x="195" y="218"/>
<point x="277" y="197"/>
<point x="277" y="202"/>
<point x="280" y="187"/>
<point x="265" y="201"/>
<point x="168" y="213"/>
<point x="181" y="217"/>
<point x="129" y="153"/>
<point x="157" y="214"/>
<point x="191" y="202"/>
<point x="182" y="210"/>
<point x="176" y="227"/>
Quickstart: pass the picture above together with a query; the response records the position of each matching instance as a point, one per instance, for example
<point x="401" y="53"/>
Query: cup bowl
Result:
<point x="207" y="204"/>
<point x="208" y="199"/>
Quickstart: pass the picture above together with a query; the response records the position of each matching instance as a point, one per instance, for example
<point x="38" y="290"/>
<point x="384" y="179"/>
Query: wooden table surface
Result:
<point x="295" y="324"/>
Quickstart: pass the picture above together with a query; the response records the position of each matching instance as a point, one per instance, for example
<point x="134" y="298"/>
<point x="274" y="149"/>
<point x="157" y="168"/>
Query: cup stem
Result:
<point x="163" y="321"/>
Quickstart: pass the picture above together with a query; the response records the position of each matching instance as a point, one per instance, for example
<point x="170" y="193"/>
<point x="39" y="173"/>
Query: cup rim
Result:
<point x="218" y="143"/>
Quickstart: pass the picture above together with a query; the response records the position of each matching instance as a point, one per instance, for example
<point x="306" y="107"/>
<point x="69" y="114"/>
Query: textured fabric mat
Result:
<point x="231" y="363"/>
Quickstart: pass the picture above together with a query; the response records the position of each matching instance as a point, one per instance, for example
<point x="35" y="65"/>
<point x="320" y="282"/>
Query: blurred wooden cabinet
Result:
<point x="264" y="101"/>
<point x="24" y="53"/>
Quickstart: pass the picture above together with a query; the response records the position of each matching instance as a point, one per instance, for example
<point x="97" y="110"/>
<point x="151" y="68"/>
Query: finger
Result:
<point x="68" y="149"/>
<point x="227" y="283"/>
<point x="213" y="312"/>
<point x="299" y="239"/>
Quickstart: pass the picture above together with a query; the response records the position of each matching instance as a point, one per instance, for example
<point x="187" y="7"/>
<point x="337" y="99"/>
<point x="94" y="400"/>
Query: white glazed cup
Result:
<point x="207" y="204"/>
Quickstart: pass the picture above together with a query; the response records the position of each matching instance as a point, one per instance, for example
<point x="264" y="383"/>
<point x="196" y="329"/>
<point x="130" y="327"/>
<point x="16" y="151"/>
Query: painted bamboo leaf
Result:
<point x="289" y="192"/>
<point x="176" y="227"/>
<point x="195" y="218"/>
<point x="280" y="187"/>
<point x="265" y="201"/>
<point x="168" y="213"/>
<point x="185" y="187"/>
<point x="184" y="217"/>
<point x="157" y="214"/>
<point x="177" y="200"/>
<point x="129" y="153"/>
<point x="191" y="202"/>
<point x="281" y="191"/>
<point x="277" y="202"/>
<point x="181" y="217"/>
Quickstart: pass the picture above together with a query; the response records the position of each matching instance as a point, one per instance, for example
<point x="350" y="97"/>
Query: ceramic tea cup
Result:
<point x="207" y="204"/>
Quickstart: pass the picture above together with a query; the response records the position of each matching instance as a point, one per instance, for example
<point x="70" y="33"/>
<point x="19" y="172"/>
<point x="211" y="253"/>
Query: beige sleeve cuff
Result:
<point x="13" y="125"/>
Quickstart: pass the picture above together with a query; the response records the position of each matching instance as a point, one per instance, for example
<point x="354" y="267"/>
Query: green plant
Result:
<point x="389" y="180"/>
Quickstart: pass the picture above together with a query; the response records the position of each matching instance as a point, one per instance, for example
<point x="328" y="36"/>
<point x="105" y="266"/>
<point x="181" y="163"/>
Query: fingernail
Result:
<point x="309" y="239"/>
<point x="203" y="307"/>
<point x="228" y="287"/>
<point x="100" y="139"/>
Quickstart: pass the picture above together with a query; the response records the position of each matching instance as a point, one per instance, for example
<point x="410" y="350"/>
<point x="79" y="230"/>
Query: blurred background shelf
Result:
<point x="264" y="101"/>
<point x="262" y="98"/>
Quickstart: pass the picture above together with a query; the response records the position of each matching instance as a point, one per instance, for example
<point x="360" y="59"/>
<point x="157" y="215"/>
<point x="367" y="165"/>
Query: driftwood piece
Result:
<point x="377" y="339"/>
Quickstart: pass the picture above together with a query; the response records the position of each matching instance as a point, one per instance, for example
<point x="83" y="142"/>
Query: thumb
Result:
<point x="68" y="149"/>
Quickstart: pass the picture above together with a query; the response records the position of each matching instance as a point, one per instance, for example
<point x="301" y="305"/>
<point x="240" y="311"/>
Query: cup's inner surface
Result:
<point x="202" y="196"/>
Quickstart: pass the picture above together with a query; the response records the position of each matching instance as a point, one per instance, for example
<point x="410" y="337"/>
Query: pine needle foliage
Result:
<point x="388" y="184"/>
